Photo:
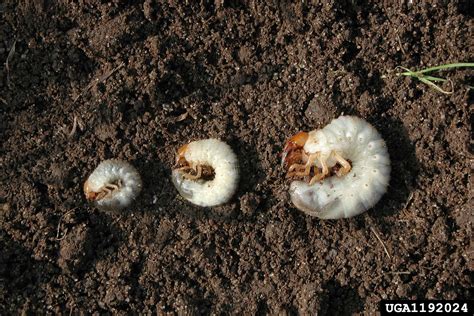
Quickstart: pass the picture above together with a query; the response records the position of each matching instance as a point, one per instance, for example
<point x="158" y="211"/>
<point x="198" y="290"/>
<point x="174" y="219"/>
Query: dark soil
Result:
<point x="139" y="80"/>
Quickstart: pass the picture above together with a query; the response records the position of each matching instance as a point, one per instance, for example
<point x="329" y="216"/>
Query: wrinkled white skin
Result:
<point x="109" y="171"/>
<point x="354" y="193"/>
<point x="219" y="156"/>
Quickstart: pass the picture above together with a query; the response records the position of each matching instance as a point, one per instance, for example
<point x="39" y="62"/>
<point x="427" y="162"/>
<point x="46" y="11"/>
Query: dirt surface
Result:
<point x="84" y="83"/>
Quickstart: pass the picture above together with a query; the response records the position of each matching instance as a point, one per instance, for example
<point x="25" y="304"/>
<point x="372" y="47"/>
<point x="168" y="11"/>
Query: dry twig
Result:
<point x="96" y="81"/>
<point x="398" y="272"/>
<point x="74" y="127"/>
<point x="410" y="198"/>
<point x="9" y="58"/>
<point x="116" y="220"/>
<point x="182" y="117"/>
<point x="400" y="43"/>
<point x="381" y="241"/>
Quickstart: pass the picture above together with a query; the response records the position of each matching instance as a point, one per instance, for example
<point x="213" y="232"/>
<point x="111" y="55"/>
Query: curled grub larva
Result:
<point x="346" y="167"/>
<point x="208" y="172"/>
<point x="113" y="185"/>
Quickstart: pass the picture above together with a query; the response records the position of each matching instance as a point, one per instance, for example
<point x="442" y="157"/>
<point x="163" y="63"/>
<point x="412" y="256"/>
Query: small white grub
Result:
<point x="113" y="185"/>
<point x="346" y="165"/>
<point x="208" y="174"/>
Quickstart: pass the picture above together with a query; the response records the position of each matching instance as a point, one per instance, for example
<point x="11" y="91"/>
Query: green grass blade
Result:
<point x="407" y="72"/>
<point x="430" y="80"/>
<point x="447" y="66"/>
<point x="435" y="79"/>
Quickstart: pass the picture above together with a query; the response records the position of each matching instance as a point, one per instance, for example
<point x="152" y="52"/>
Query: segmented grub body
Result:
<point x="190" y="179"/>
<point x="358" y="154"/>
<point x="113" y="185"/>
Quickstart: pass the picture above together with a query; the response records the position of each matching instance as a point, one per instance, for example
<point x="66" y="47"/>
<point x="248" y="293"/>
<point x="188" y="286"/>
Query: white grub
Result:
<point x="346" y="165"/>
<point x="113" y="185"/>
<point x="198" y="158"/>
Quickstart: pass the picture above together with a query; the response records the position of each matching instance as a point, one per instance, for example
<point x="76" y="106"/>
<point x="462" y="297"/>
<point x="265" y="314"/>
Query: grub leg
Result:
<point x="323" y="174"/>
<point x="346" y="166"/>
<point x="302" y="170"/>
<point x="197" y="169"/>
<point x="104" y="191"/>
<point x="296" y="170"/>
